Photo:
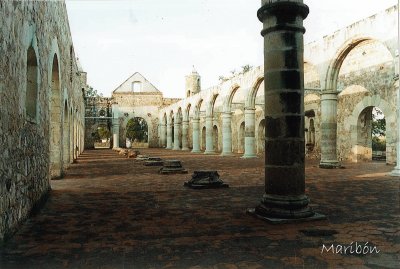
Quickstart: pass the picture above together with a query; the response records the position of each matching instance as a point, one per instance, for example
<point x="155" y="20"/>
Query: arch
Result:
<point x="32" y="84"/>
<point x="251" y="97"/>
<point x="197" y="109"/>
<point x="332" y="73"/>
<point x="229" y="99"/>
<point x="137" y="132"/>
<point x="66" y="133"/>
<point x="390" y="117"/>
<point x="186" y="114"/>
<point x="55" y="118"/>
<point x="210" y="105"/>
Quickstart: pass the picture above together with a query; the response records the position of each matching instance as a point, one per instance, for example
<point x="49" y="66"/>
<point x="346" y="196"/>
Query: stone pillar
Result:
<point x="196" y="136"/>
<point x="328" y="130"/>
<point x="284" y="199"/>
<point x="227" y="134"/>
<point x="177" y="129"/>
<point x="209" y="136"/>
<point x="115" y="128"/>
<point x="163" y="129"/>
<point x="185" y="128"/>
<point x="249" y="132"/>
<point x="169" y="134"/>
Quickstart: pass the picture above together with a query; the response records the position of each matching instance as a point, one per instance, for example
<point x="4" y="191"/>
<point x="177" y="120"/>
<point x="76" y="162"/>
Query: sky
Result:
<point x="163" y="39"/>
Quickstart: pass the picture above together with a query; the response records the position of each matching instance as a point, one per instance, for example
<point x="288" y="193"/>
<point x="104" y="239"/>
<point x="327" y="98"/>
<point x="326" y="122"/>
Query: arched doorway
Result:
<point x="55" y="121"/>
<point x="66" y="133"/>
<point x="371" y="135"/>
<point x="215" y="138"/>
<point x="137" y="133"/>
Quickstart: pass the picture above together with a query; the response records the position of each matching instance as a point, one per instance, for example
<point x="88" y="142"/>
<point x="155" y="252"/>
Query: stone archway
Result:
<point x="358" y="124"/>
<point x="55" y="121"/>
<point x="137" y="133"/>
<point x="215" y="138"/>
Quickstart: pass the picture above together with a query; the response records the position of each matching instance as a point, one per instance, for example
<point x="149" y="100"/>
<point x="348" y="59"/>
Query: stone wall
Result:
<point x="36" y="49"/>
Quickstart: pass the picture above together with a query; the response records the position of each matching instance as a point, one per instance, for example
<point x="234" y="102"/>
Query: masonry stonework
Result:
<point x="37" y="53"/>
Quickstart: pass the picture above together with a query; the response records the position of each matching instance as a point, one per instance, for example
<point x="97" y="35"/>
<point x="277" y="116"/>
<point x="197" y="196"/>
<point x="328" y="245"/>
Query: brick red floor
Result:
<point x="112" y="212"/>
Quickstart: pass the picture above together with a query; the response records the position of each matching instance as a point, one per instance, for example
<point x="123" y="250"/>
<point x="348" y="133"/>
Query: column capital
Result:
<point x="329" y="95"/>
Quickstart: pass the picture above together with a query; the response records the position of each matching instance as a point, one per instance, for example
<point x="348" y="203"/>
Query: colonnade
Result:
<point x="176" y="138"/>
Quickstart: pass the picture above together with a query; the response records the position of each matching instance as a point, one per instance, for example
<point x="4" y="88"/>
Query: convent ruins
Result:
<point x="47" y="121"/>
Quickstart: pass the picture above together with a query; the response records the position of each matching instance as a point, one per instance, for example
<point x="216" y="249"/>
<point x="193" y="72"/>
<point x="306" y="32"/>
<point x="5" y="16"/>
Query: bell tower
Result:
<point x="192" y="86"/>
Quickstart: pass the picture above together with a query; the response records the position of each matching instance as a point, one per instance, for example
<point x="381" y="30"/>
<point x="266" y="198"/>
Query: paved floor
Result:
<point x="113" y="212"/>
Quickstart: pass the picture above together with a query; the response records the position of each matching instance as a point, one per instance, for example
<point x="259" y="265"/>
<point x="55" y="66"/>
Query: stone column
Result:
<point x="328" y="130"/>
<point x="284" y="199"/>
<point x="227" y="134"/>
<point x="115" y="128"/>
<point x="249" y="132"/>
<point x="169" y="134"/>
<point x="196" y="136"/>
<point x="209" y="136"/>
<point x="163" y="129"/>
<point x="185" y="128"/>
<point x="177" y="128"/>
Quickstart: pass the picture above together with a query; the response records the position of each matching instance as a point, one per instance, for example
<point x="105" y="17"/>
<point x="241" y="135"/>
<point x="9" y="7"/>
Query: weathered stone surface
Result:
<point x="34" y="149"/>
<point x="172" y="167"/>
<point x="205" y="179"/>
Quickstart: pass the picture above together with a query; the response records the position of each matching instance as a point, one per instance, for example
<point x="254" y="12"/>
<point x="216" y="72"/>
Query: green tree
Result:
<point x="378" y="123"/>
<point x="136" y="129"/>
<point x="104" y="133"/>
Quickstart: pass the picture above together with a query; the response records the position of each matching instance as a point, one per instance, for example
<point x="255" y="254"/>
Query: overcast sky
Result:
<point x="163" y="39"/>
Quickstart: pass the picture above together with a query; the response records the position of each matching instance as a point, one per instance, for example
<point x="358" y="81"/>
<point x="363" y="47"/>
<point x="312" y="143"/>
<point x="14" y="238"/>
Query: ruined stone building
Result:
<point x="42" y="108"/>
<point x="346" y="75"/>
<point x="45" y="121"/>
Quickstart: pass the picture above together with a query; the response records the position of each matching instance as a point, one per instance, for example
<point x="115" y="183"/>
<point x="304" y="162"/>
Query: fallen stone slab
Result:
<point x="154" y="161"/>
<point x="141" y="158"/>
<point x="205" y="179"/>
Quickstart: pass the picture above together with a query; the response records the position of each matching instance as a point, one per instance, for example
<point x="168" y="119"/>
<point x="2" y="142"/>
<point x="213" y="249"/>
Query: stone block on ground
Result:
<point x="172" y="167"/>
<point x="154" y="161"/>
<point x="205" y="179"/>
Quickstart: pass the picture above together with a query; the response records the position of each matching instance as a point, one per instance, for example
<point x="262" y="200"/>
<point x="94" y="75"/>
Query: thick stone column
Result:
<point x="185" y="128"/>
<point x="115" y="128"/>
<point x="249" y="132"/>
<point x="209" y="136"/>
<point x="163" y="130"/>
<point x="328" y="130"/>
<point x="196" y="136"/>
<point x="169" y="134"/>
<point x="177" y="129"/>
<point x="284" y="199"/>
<point x="227" y="134"/>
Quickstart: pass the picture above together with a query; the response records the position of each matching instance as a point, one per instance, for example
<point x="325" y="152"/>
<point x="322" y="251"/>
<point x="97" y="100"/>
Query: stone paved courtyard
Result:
<point x="113" y="212"/>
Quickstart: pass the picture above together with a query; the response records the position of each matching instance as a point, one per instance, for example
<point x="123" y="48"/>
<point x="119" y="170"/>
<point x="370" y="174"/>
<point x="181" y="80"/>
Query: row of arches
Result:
<point x="365" y="61"/>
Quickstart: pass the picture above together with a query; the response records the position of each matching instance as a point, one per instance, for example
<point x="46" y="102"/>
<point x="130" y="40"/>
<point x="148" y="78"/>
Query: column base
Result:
<point x="227" y="154"/>
<point x="278" y="209"/>
<point x="196" y="151"/>
<point x="274" y="220"/>
<point x="185" y="149"/>
<point x="168" y="148"/>
<point x="329" y="164"/>
<point x="395" y="172"/>
<point x="209" y="152"/>
<point x="248" y="156"/>
<point x="176" y="149"/>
